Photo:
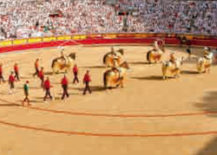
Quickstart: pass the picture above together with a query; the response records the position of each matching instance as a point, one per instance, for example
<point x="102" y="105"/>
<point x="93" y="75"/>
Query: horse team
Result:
<point x="115" y="76"/>
<point x="117" y="67"/>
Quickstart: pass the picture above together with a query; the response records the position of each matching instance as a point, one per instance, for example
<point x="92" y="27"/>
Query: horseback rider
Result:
<point x="207" y="53"/>
<point x="113" y="53"/>
<point x="63" y="57"/>
<point x="156" y="47"/>
<point x="114" y="56"/>
<point x="172" y="58"/>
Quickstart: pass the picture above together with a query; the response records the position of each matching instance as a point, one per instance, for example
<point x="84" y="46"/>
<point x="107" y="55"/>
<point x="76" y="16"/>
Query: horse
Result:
<point x="154" y="55"/>
<point x="115" y="77"/>
<point x="172" y="69"/>
<point x="113" y="59"/>
<point x="204" y="64"/>
<point x="58" y="64"/>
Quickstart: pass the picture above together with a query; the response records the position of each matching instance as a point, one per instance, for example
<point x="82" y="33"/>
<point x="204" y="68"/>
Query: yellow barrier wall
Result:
<point x="64" y="38"/>
<point x="34" y="40"/>
<point x="6" y="43"/>
<point x="47" y="39"/>
<point x="106" y="36"/>
<point x="110" y="36"/>
<point x="19" y="41"/>
<point x="78" y="37"/>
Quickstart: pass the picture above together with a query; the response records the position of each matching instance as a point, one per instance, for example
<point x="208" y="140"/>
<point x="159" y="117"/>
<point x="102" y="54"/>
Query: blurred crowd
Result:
<point x="39" y="18"/>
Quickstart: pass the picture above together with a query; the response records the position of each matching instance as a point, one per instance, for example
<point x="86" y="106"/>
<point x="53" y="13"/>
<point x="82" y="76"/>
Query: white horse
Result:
<point x="172" y="69"/>
<point x="155" y="55"/>
<point x="65" y="65"/>
<point x="204" y="63"/>
<point x="113" y="59"/>
<point x="115" y="77"/>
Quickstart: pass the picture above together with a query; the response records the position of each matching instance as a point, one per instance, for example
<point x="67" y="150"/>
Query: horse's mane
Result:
<point x="104" y="58"/>
<point x="121" y="51"/>
<point x="72" y="55"/>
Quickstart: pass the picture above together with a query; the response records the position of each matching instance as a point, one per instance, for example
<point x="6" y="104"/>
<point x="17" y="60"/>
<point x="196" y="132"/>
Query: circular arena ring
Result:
<point x="148" y="113"/>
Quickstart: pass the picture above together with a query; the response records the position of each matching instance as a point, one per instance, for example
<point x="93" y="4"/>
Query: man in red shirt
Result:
<point x="1" y="74"/>
<point x="64" y="83"/>
<point x="47" y="87"/>
<point x="16" y="71"/>
<point x="36" y="67"/>
<point x="75" y="72"/>
<point x="11" y="80"/>
<point x="86" y="81"/>
<point x="41" y="76"/>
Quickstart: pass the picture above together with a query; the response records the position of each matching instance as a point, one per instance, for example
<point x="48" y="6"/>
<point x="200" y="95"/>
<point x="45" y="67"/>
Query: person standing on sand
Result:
<point x="41" y="76"/>
<point x="47" y="87"/>
<point x="36" y="67"/>
<point x="1" y="74"/>
<point x="86" y="81"/>
<point x="64" y="83"/>
<point x="16" y="71"/>
<point x="75" y="73"/>
<point x="11" y="80"/>
<point x="188" y="50"/>
<point x="26" y="92"/>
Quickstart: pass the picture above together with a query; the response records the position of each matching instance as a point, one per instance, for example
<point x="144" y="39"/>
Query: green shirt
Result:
<point x="26" y="88"/>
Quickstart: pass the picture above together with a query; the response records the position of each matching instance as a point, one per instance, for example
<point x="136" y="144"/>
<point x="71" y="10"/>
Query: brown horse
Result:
<point x="115" y="77"/>
<point x="59" y="64"/>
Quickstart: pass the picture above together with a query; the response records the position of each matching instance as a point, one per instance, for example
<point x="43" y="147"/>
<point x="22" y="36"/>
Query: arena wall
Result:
<point x="97" y="39"/>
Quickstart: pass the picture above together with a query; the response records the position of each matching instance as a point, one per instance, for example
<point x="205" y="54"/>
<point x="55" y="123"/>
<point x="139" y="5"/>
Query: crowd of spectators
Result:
<point x="38" y="18"/>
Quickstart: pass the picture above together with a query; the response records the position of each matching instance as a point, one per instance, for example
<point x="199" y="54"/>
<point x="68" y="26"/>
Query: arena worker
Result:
<point x="11" y="81"/>
<point x="1" y="74"/>
<point x="64" y="83"/>
<point x="75" y="73"/>
<point x="41" y="76"/>
<point x="16" y="71"/>
<point x="86" y="81"/>
<point x="26" y="93"/>
<point x="47" y="87"/>
<point x="36" y="65"/>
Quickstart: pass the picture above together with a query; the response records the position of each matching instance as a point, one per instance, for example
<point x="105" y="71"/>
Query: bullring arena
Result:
<point x="148" y="116"/>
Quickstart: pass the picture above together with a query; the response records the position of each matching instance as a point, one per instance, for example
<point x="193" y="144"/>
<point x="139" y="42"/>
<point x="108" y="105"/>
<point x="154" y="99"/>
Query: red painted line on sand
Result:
<point x="116" y="115"/>
<point x="107" y="134"/>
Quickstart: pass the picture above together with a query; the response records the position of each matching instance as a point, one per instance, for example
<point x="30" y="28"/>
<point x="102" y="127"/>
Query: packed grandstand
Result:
<point x="39" y="18"/>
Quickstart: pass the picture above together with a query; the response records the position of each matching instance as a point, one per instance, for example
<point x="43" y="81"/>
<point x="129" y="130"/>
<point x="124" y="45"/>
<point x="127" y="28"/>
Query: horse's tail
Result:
<point x="104" y="58"/>
<point x="105" y="79"/>
<point x="148" y="56"/>
<point x="53" y="62"/>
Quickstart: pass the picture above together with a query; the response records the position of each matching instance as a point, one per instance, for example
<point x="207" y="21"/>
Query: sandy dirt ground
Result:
<point x="147" y="116"/>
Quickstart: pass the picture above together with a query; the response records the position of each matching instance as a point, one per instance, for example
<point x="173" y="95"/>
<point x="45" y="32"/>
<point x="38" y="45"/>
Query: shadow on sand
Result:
<point x="152" y="78"/>
<point x="9" y="105"/>
<point x="93" y="88"/>
<point x="93" y="67"/>
<point x="209" y="149"/>
<point x="29" y="87"/>
<point x="209" y="103"/>
<point x="190" y="72"/>
<point x="139" y="63"/>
